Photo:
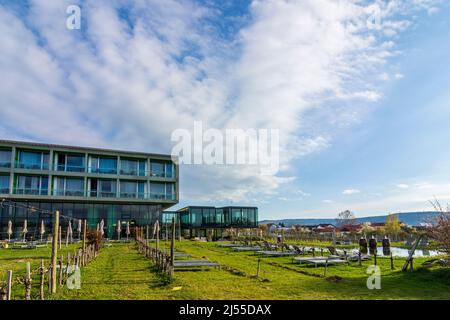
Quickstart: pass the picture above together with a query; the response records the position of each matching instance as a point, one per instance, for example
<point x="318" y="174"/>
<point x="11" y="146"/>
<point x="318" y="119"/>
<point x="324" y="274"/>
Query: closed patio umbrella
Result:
<point x="128" y="229"/>
<point x="69" y="233"/>
<point x="119" y="229"/>
<point x="25" y="230"/>
<point x="102" y="227"/>
<point x="42" y="230"/>
<point x="10" y="230"/>
<point x="79" y="229"/>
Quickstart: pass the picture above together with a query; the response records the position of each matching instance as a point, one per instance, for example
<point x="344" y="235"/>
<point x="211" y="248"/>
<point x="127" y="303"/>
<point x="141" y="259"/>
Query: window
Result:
<point x="219" y="216"/>
<point x="69" y="162"/>
<point x="132" y="167"/>
<point x="236" y="216"/>
<point x="162" y="169"/>
<point x="162" y="191"/>
<point x="4" y="184"/>
<point x="196" y="216"/>
<point x="157" y="169"/>
<point x="72" y="187"/>
<point x="107" y="188"/>
<point x="33" y="160"/>
<point x="5" y="158"/>
<point x="32" y="185"/>
<point x="102" y="165"/>
<point x="128" y="189"/>
<point x="158" y="190"/>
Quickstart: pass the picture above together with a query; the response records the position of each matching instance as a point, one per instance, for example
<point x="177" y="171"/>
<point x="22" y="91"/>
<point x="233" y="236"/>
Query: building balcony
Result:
<point x="31" y="191"/>
<point x="32" y="165"/>
<point x="102" y="170"/>
<point x="69" y="168"/>
<point x="69" y="193"/>
<point x="4" y="190"/>
<point x="5" y="164"/>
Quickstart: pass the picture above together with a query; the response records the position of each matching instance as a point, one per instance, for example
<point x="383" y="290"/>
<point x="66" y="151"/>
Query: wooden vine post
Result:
<point x="54" y="251"/>
<point x="41" y="280"/>
<point x="172" y="247"/>
<point x="28" y="282"/>
<point x="8" y="284"/>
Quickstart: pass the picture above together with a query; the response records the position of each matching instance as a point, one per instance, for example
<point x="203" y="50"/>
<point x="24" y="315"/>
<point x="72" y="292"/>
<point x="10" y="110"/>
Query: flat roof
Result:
<point x="212" y="207"/>
<point x="91" y="149"/>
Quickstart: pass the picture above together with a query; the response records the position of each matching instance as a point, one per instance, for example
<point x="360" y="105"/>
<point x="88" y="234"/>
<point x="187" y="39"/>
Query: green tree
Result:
<point x="392" y="226"/>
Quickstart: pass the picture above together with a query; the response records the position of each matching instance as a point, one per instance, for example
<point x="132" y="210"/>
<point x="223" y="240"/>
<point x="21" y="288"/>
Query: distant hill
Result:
<point x="409" y="218"/>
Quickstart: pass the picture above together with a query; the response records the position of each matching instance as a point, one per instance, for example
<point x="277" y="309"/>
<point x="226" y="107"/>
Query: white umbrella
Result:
<point x="10" y="231"/>
<point x="102" y="226"/>
<point x="79" y="229"/>
<point x="128" y="229"/>
<point x="25" y="230"/>
<point x="42" y="231"/>
<point x="69" y="233"/>
<point x="119" y="229"/>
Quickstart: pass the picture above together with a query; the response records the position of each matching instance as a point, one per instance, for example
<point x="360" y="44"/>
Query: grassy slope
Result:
<point x="121" y="273"/>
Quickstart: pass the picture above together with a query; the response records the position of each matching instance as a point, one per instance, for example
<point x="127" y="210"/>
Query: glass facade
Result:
<point x="133" y="167"/>
<point x="162" y="169"/>
<point x="211" y="217"/>
<point x="133" y="189"/>
<point x="70" y="187"/>
<point x="31" y="185"/>
<point x="110" y="213"/>
<point x="35" y="160"/>
<point x="5" y="158"/>
<point x="162" y="191"/>
<point x="103" y="188"/>
<point x="69" y="162"/>
<point x="4" y="184"/>
<point x="82" y="183"/>
<point x="106" y="165"/>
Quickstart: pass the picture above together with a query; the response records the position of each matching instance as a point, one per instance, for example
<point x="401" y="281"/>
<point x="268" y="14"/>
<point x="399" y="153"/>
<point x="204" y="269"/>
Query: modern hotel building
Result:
<point x="83" y="183"/>
<point x="100" y="184"/>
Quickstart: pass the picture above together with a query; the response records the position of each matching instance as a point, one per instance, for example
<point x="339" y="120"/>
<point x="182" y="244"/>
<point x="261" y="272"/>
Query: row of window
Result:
<point x="100" y="188"/>
<point x="196" y="217"/>
<point x="140" y="214"/>
<point x="95" y="164"/>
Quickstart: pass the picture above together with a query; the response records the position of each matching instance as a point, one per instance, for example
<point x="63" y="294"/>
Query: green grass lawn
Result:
<point x="120" y="272"/>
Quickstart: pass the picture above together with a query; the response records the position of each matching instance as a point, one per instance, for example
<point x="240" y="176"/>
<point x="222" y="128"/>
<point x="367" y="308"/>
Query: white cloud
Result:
<point x="129" y="84"/>
<point x="350" y="191"/>
<point x="402" y="186"/>
<point x="327" y="201"/>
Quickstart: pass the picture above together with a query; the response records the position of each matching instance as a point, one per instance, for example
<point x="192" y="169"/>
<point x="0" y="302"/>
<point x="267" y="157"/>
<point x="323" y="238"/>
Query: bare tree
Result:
<point x="345" y="218"/>
<point x="440" y="230"/>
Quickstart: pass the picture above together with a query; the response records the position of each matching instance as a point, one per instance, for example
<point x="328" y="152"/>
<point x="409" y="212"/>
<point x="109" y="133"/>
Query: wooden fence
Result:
<point x="162" y="260"/>
<point x="43" y="274"/>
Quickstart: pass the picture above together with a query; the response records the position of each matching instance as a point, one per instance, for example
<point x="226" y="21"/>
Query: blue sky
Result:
<point x="363" y="113"/>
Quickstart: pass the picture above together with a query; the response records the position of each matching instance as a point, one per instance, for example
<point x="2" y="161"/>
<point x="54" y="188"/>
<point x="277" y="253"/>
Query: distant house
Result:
<point x="351" y="228"/>
<point x="377" y="225"/>
<point x="324" y="228"/>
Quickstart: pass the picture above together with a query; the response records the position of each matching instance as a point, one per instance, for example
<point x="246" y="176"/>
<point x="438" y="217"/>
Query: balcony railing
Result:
<point x="31" y="191"/>
<point x="132" y="172"/>
<point x="102" y="194"/>
<point x="5" y="164"/>
<point x="32" y="165"/>
<point x="162" y="196"/>
<point x="62" y="167"/>
<point x="69" y="193"/>
<point x="135" y="195"/>
<point x="4" y="190"/>
<point x="102" y="170"/>
<point x="161" y="175"/>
